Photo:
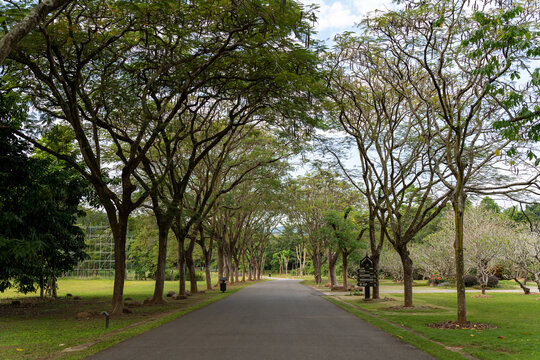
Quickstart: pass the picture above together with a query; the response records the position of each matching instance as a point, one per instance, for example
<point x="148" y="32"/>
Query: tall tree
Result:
<point x="452" y="64"/>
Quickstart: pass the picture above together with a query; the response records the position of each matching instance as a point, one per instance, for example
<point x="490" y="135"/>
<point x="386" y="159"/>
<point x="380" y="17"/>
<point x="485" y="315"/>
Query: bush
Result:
<point x="470" y="280"/>
<point x="493" y="281"/>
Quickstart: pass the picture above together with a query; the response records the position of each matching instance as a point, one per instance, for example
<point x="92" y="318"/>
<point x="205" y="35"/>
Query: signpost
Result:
<point x="365" y="275"/>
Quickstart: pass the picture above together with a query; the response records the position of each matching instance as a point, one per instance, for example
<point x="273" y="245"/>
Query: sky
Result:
<point x="336" y="16"/>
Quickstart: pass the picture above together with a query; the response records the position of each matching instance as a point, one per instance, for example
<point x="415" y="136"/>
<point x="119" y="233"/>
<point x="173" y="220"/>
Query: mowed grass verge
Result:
<point x="44" y="329"/>
<point x="516" y="316"/>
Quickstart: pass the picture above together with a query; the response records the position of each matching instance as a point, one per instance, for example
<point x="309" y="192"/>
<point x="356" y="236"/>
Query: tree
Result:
<point x="158" y="64"/>
<point x="346" y="234"/>
<point x="39" y="201"/>
<point x="455" y="66"/>
<point x="311" y="197"/>
<point x="397" y="179"/>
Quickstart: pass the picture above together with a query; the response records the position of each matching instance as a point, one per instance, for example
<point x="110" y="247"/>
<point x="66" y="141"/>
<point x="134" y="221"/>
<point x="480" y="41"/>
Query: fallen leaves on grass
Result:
<point x="410" y="308"/>
<point x="469" y="325"/>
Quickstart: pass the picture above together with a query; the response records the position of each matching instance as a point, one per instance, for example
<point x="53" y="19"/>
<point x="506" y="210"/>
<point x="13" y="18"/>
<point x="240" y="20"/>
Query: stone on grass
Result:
<point x="171" y="293"/>
<point x="68" y="295"/>
<point x="76" y="298"/>
<point x="188" y="293"/>
<point x="179" y="297"/>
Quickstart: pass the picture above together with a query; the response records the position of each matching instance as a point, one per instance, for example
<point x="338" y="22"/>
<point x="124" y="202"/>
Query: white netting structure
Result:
<point x="100" y="249"/>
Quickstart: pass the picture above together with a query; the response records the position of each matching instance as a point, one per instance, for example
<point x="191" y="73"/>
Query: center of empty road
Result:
<point x="269" y="320"/>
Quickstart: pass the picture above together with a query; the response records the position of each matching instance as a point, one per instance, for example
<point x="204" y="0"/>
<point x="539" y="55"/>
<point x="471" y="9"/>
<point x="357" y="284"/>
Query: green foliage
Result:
<point x="39" y="201"/>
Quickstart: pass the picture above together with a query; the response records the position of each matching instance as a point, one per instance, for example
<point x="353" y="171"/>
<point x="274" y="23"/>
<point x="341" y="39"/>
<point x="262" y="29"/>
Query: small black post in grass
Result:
<point x="106" y="319"/>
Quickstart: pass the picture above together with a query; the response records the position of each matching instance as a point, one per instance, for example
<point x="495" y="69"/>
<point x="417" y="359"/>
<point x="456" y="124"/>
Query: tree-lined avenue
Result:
<point x="270" y="320"/>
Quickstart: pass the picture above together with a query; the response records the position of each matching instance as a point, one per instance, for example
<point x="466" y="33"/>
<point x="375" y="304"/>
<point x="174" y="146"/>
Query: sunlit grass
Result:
<point x="516" y="316"/>
<point x="40" y="329"/>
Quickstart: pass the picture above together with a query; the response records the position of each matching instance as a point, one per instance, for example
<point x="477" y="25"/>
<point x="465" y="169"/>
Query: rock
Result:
<point x="77" y="298"/>
<point x="128" y="299"/>
<point x="126" y="311"/>
<point x="83" y="315"/>
<point x="171" y="293"/>
<point x="147" y="301"/>
<point x="68" y="295"/>
<point x="16" y="303"/>
<point x="179" y="297"/>
<point x="188" y="293"/>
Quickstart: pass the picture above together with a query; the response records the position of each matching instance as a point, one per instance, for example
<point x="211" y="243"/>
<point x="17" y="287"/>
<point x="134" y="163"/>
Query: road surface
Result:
<point x="269" y="320"/>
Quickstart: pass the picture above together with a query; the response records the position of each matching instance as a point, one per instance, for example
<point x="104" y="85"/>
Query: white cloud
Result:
<point x="335" y="16"/>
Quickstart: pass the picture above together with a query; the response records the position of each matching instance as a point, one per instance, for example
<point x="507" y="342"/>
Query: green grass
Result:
<point x="42" y="329"/>
<point x="516" y="316"/>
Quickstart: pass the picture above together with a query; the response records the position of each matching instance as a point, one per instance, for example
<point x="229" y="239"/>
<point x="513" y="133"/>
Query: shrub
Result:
<point x="493" y="281"/>
<point x="470" y="280"/>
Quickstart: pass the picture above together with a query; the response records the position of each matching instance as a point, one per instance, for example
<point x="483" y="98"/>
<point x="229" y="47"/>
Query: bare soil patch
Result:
<point x="469" y="325"/>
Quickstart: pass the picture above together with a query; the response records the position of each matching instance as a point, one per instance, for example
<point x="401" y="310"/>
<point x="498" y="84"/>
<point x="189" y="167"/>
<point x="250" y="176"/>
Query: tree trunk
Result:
<point x="525" y="289"/>
<point x="41" y="287"/>
<point x="375" y="258"/>
<point x="316" y="258"/>
<point x="191" y="267"/>
<point x="220" y="261"/>
<point x="243" y="267"/>
<point x="458" y="204"/>
<point x="344" y="257"/>
<point x="161" y="262"/>
<point x="119" y="231"/>
<point x="406" y="262"/>
<point x="181" y="266"/>
<point x="332" y="260"/>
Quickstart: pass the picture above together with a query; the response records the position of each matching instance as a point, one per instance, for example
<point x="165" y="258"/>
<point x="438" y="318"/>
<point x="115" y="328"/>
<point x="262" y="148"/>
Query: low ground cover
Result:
<point x="44" y="329"/>
<point x="515" y="316"/>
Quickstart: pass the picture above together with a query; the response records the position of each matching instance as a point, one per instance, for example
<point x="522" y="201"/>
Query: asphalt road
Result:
<point x="270" y="320"/>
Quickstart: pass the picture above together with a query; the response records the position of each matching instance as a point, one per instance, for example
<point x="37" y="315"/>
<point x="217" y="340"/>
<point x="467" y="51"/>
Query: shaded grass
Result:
<point x="516" y="316"/>
<point x="41" y="329"/>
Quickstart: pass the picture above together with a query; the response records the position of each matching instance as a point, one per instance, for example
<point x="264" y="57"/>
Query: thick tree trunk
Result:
<point x="458" y="204"/>
<point x="406" y="262"/>
<point x="317" y="263"/>
<point x="191" y="267"/>
<point x="332" y="260"/>
<point x="163" y="231"/>
<point x="181" y="266"/>
<point x="119" y="231"/>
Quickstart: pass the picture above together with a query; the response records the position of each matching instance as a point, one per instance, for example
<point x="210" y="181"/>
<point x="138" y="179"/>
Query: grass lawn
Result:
<point x="516" y="316"/>
<point x="39" y="329"/>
